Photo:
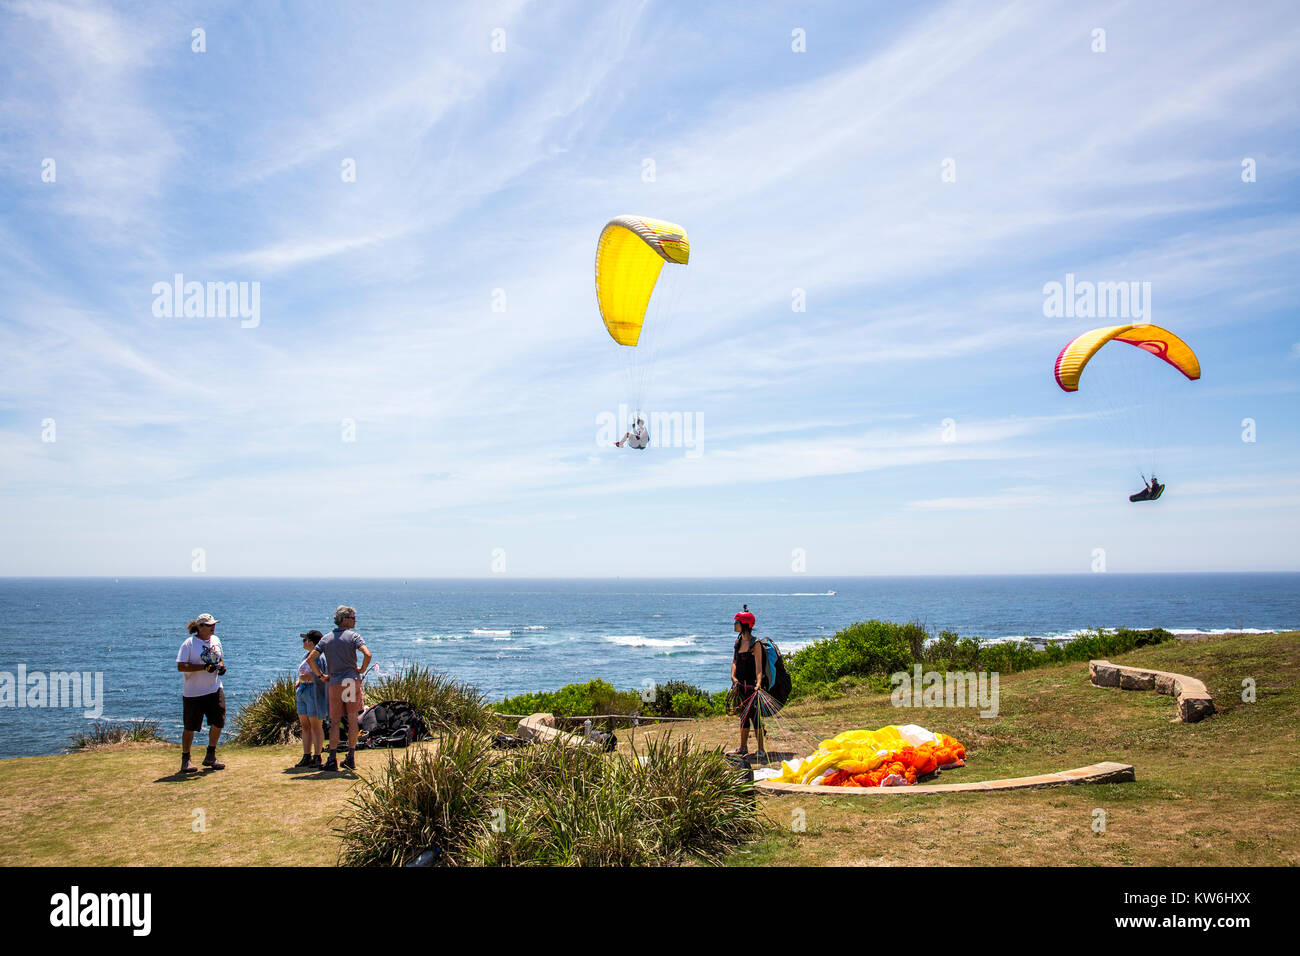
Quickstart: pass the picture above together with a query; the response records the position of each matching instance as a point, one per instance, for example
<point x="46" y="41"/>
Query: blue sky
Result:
<point x="481" y="170"/>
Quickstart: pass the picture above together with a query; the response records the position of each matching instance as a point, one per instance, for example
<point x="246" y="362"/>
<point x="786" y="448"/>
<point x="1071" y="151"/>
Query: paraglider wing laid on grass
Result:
<point x="888" y="757"/>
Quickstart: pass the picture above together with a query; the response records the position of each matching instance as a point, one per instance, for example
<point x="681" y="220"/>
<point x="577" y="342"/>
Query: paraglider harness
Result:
<point x="390" y="723"/>
<point x="1151" y="492"/>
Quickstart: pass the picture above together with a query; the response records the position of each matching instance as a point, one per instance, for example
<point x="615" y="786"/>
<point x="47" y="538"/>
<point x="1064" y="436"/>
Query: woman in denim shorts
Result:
<point x="313" y="705"/>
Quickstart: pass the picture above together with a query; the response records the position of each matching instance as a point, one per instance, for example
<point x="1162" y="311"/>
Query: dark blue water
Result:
<point x="508" y="636"/>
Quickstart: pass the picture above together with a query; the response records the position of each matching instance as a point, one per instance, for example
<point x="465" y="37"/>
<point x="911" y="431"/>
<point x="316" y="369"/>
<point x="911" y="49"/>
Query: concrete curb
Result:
<point x="1107" y="772"/>
<point x="1194" y="700"/>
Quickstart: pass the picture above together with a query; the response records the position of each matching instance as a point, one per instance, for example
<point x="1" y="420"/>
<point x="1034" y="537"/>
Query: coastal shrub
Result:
<point x="861" y="649"/>
<point x="865" y="654"/>
<point x="949" y="652"/>
<point x="688" y="705"/>
<point x="574" y="700"/>
<point x="434" y="799"/>
<point x="444" y="703"/>
<point x="106" y="734"/>
<point x="271" y="717"/>
<point x="679" y="699"/>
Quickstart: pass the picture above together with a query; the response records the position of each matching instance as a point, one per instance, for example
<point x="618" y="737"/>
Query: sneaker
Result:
<point x="186" y="766"/>
<point x="350" y="762"/>
<point x="212" y="761"/>
<point x="330" y="765"/>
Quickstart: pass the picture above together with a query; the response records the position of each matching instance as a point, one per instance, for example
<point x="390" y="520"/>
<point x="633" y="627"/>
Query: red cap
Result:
<point x="744" y="617"/>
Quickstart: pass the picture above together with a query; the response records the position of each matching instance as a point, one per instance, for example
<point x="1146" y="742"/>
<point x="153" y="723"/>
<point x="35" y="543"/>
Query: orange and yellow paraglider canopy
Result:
<point x="1161" y="343"/>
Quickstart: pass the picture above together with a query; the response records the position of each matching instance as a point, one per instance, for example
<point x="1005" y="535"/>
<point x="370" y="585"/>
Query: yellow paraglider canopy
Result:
<point x="629" y="255"/>
<point x="1161" y="343"/>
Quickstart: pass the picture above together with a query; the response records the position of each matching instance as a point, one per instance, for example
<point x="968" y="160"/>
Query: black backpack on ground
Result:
<point x="390" y="723"/>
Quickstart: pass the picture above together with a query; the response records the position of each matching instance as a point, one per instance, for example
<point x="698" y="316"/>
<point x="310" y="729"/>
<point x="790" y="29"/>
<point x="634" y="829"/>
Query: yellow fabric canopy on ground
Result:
<point x="874" y="754"/>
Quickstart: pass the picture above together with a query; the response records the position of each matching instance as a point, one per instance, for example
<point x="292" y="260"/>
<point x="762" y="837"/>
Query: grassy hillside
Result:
<point x="1222" y="792"/>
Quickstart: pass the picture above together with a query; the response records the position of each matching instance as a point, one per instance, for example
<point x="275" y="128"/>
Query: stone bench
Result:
<point x="1194" y="701"/>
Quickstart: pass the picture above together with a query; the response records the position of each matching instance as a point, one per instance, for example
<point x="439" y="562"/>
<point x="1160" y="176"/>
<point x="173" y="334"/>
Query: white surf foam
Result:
<point x="640" y="640"/>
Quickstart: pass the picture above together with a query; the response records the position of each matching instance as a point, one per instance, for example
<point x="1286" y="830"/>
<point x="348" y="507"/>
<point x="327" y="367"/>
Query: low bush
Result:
<point x="107" y="734"/>
<point x="679" y="699"/>
<point x="859" y="650"/>
<point x="574" y="700"/>
<point x="866" y="653"/>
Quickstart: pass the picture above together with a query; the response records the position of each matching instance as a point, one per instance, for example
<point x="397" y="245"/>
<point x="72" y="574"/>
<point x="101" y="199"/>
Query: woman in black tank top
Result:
<point x="746" y="665"/>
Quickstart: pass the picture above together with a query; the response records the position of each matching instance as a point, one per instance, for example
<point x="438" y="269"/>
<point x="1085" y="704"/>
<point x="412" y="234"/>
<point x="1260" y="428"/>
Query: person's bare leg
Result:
<point x="336" y="713"/>
<point x="354" y="724"/>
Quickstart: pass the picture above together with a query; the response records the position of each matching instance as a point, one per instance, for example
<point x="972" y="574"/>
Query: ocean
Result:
<point x="507" y="636"/>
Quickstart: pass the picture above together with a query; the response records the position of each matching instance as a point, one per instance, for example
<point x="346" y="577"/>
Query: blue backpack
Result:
<point x="776" y="679"/>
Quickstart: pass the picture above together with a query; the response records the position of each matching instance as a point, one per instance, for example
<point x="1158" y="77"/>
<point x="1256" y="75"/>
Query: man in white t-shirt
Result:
<point x="202" y="661"/>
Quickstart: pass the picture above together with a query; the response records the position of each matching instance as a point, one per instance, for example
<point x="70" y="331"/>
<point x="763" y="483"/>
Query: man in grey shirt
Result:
<point x="340" y="648"/>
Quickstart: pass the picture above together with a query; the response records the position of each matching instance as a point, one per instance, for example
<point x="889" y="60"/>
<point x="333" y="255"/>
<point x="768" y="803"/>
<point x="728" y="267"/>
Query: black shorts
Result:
<point x="212" y="706"/>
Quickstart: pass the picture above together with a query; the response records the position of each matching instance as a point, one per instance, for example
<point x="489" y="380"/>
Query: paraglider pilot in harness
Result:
<point x="1151" y="492"/>
<point x="746" y="669"/>
<point x="638" y="437"/>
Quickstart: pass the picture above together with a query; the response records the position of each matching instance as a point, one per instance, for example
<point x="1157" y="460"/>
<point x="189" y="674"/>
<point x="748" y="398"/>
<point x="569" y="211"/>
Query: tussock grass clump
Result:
<point x="550" y="805"/>
<point x="444" y="703"/>
<point x="105" y="735"/>
<point x="270" y="718"/>
<point x="698" y="803"/>
<point x="428" y="799"/>
<point x="573" y="807"/>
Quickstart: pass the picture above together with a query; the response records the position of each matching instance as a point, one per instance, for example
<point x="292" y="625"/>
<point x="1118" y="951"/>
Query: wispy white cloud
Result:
<point x="480" y="172"/>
